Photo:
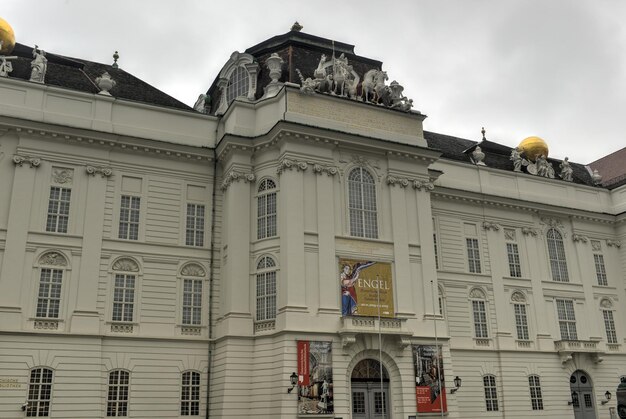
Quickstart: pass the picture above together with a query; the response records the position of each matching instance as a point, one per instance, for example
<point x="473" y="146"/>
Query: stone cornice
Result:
<point x="149" y="146"/>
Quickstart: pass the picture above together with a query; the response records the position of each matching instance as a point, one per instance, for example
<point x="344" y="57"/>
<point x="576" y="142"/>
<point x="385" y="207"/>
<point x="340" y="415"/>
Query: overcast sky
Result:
<point x="556" y="69"/>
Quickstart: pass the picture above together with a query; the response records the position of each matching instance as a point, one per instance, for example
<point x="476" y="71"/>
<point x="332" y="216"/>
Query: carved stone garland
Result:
<point x="418" y="184"/>
<point x="236" y="176"/>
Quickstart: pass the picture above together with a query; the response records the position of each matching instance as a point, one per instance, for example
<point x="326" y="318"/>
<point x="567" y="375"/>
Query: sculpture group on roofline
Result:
<point x="541" y="166"/>
<point x="344" y="81"/>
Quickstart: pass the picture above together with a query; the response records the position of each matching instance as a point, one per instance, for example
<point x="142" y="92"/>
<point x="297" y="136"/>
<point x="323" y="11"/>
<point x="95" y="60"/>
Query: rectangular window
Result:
<point x="480" y="319"/>
<point x="58" y="209"/>
<point x="192" y="302"/>
<point x="536" y="400"/>
<point x="567" y="319"/>
<point x="117" y="395"/>
<point x="436" y="251"/>
<point x="49" y="298"/>
<point x="491" y="393"/>
<point x="521" y="321"/>
<point x="473" y="255"/>
<point x="515" y="268"/>
<point x="600" y="269"/>
<point x="129" y="217"/>
<point x="609" y="326"/>
<point x="190" y="394"/>
<point x="123" y="298"/>
<point x="194" y="235"/>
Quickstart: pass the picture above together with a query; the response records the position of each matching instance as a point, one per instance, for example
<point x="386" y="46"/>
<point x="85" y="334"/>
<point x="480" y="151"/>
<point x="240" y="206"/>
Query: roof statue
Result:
<point x="203" y="104"/>
<point x="274" y="64"/>
<point x="116" y="56"/>
<point x="105" y="83"/>
<point x="478" y="156"/>
<point x="567" y="173"/>
<point x="39" y="65"/>
<point x="296" y="27"/>
<point x="516" y="157"/>
<point x="344" y="82"/>
<point x="5" y="64"/>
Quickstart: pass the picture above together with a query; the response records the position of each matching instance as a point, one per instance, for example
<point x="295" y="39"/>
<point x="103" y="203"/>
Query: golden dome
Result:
<point x="533" y="147"/>
<point x="7" y="36"/>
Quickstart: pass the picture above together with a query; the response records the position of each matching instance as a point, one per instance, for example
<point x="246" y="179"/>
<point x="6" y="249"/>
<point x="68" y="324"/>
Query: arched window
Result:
<point x="536" y="400"/>
<point x="117" y="393"/>
<point x="479" y="313"/>
<point x="39" y="392"/>
<point x="491" y="393"/>
<point x="238" y="84"/>
<point x="362" y="204"/>
<point x="266" y="289"/>
<point x="190" y="394"/>
<point x="266" y="209"/>
<point x="124" y="286"/>
<point x="556" y="251"/>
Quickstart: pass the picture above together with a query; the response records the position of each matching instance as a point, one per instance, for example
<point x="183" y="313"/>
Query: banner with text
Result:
<point x="315" y="378"/>
<point x="430" y="387"/>
<point x="366" y="288"/>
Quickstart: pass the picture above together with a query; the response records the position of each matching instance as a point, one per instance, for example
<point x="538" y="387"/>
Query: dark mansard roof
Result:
<point x="80" y="75"/>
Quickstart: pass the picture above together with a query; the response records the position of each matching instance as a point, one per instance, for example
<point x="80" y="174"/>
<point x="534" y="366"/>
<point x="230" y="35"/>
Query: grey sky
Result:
<point x="556" y="69"/>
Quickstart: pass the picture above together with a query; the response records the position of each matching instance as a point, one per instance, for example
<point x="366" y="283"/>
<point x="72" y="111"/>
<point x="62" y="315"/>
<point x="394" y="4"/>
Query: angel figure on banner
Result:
<point x="349" y="275"/>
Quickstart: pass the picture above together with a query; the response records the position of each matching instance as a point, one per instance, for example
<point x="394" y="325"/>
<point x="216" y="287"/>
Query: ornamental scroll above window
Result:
<point x="238" y="79"/>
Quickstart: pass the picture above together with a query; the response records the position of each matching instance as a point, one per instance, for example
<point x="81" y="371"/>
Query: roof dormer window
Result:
<point x="238" y="84"/>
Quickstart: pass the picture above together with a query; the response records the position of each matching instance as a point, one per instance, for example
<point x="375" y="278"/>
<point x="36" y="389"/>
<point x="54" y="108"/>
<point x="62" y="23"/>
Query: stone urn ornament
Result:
<point x="105" y="83"/>
<point x="274" y="64"/>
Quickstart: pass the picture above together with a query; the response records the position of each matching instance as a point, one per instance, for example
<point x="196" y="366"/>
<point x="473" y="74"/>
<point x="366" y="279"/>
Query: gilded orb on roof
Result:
<point x="533" y="147"/>
<point x="7" y="36"/>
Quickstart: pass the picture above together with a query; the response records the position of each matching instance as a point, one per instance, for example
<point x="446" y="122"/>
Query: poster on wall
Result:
<point x="315" y="378"/>
<point x="430" y="387"/>
<point x="366" y="288"/>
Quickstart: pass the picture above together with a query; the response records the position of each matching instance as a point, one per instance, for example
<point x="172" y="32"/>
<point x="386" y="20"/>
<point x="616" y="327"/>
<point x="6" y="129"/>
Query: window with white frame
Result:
<point x="512" y="253"/>
<point x="491" y="393"/>
<point x="58" y="209"/>
<point x="473" y="255"/>
<point x="194" y="231"/>
<point x="521" y="321"/>
<point x="192" y="302"/>
<point x="39" y="392"/>
<point x="556" y="252"/>
<point x="117" y="393"/>
<point x="266" y="209"/>
<point x="567" y="319"/>
<point x="362" y="204"/>
<point x="609" y="326"/>
<point x="129" y="217"/>
<point x="238" y="84"/>
<point x="49" y="295"/>
<point x="479" y="313"/>
<point x="190" y="394"/>
<point x="536" y="399"/>
<point x="266" y="289"/>
<point x="123" y="297"/>
<point x="600" y="269"/>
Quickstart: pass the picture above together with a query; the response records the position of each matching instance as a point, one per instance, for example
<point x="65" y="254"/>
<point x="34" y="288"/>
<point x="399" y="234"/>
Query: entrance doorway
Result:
<point x="582" y="395"/>
<point x="369" y="399"/>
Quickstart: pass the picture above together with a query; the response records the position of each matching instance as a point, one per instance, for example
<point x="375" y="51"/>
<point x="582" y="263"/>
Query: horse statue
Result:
<point x="368" y="85"/>
<point x="383" y="93"/>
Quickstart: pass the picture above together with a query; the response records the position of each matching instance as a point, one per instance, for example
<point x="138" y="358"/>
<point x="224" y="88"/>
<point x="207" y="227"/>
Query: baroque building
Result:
<point x="294" y="245"/>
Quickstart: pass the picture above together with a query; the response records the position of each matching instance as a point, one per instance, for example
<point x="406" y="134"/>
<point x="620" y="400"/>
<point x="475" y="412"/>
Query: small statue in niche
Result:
<point x="567" y="173"/>
<point x="516" y="158"/>
<point x="39" y="65"/>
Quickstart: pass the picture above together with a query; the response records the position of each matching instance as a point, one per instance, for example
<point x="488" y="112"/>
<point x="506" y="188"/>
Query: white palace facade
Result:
<point x="159" y="261"/>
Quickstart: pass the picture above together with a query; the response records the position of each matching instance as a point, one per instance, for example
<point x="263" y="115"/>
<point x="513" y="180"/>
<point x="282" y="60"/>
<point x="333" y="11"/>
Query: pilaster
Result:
<point x="328" y="281"/>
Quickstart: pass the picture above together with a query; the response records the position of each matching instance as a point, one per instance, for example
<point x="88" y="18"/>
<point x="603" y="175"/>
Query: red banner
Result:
<point x="303" y="362"/>
<point x="427" y="402"/>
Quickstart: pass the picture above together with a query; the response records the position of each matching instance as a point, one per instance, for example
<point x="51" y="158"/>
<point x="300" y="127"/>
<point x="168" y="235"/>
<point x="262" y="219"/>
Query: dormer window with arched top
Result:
<point x="237" y="80"/>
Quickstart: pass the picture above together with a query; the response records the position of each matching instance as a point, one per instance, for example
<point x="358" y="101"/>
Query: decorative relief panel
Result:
<point x="125" y="264"/>
<point x="509" y="234"/>
<point x="62" y="176"/>
<point x="596" y="246"/>
<point x="477" y="293"/>
<point x="606" y="303"/>
<point x="193" y="269"/>
<point x="614" y="243"/>
<point x="53" y="258"/>
<point x="530" y="231"/>
<point x="518" y="297"/>
<point x="46" y="324"/>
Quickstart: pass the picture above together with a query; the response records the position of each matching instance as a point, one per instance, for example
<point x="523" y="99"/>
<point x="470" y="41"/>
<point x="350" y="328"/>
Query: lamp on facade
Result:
<point x="293" y="379"/>
<point x="607" y="397"/>
<point x="457" y="384"/>
<point x="574" y="397"/>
